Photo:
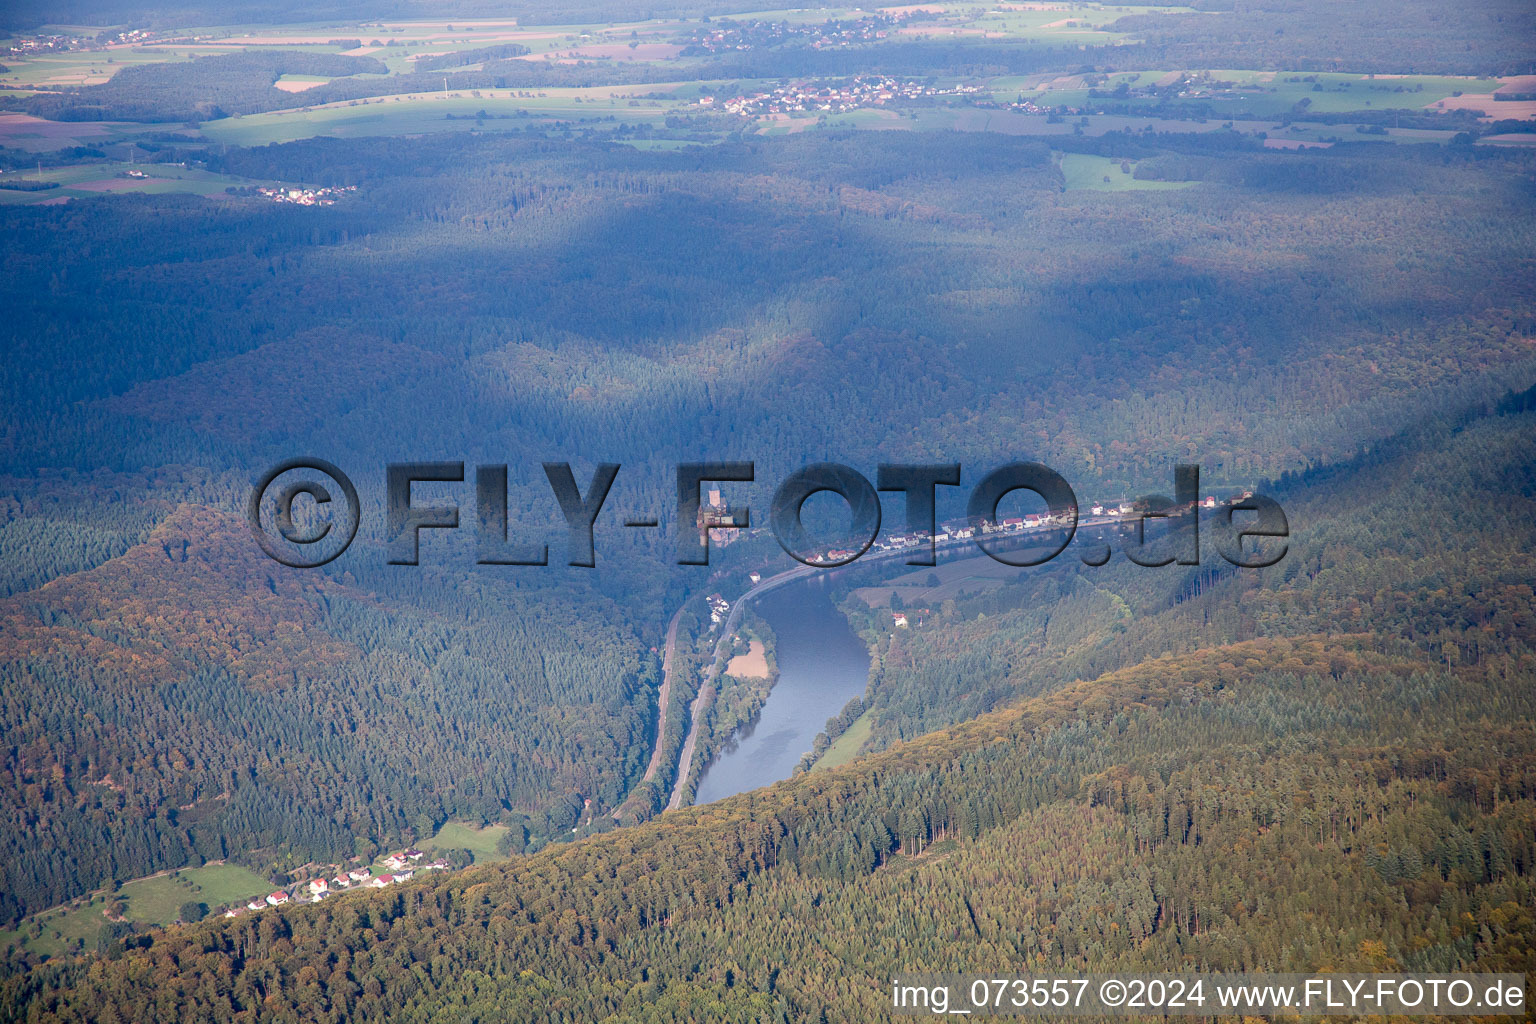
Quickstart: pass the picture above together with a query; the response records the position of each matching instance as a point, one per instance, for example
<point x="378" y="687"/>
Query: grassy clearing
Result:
<point x="84" y="181"/>
<point x="157" y="900"/>
<point x="1101" y="174"/>
<point x="150" y="901"/>
<point x="847" y="745"/>
<point x="481" y="842"/>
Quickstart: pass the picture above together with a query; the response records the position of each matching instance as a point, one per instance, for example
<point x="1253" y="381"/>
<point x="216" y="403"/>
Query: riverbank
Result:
<point x="821" y="666"/>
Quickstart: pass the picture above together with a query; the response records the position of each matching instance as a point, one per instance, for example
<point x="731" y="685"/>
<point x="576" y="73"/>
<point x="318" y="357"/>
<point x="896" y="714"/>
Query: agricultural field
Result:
<point x="1222" y="93"/>
<point x="36" y="135"/>
<point x="460" y="110"/>
<point x="476" y="94"/>
<point x="90" y="67"/>
<point x="85" y="181"/>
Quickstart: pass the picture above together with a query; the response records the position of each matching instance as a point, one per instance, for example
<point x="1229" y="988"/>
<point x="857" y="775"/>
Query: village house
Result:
<point x="718" y="607"/>
<point x="278" y="898"/>
<point x="359" y="874"/>
<point x="319" y="886"/>
<point x="380" y="881"/>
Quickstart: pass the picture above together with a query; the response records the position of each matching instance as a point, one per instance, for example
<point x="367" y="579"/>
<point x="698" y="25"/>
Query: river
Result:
<point x="822" y="666"/>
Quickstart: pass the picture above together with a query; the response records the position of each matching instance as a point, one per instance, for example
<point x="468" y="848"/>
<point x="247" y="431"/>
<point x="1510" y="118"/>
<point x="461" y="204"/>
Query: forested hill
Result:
<point x="1277" y="805"/>
<point x="1346" y="791"/>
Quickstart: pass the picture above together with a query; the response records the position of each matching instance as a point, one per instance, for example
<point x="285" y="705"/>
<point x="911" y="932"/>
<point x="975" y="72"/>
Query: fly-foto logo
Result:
<point x="333" y="513"/>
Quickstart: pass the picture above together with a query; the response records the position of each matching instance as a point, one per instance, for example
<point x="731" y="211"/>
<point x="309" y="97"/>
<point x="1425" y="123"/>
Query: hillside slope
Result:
<point x="1351" y="800"/>
<point x="1282" y="804"/>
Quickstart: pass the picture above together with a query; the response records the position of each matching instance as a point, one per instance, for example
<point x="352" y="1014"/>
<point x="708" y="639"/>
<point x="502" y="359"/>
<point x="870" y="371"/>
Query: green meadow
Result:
<point x="423" y="113"/>
<point x="847" y="745"/>
<point x="479" y="841"/>
<point x="149" y="901"/>
<point x="87" y="181"/>
<point x="1101" y="174"/>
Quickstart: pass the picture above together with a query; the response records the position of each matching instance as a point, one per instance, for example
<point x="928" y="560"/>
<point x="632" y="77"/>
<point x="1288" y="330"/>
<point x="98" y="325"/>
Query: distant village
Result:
<point x="58" y="43"/>
<point x="816" y="97"/>
<point x="1095" y="514"/>
<point x="41" y="44"/>
<point x="402" y="867"/>
<point x="727" y="35"/>
<point x="307" y="196"/>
